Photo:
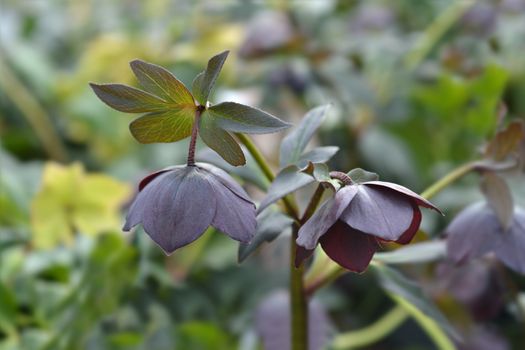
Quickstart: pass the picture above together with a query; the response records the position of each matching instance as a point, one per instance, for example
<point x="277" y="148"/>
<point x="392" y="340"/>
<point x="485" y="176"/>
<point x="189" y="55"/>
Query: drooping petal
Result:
<point x="234" y="215"/>
<point x="474" y="232"/>
<point x="350" y="248"/>
<point x="159" y="182"/>
<point x="405" y="191"/>
<point x="178" y="215"/>
<point x="512" y="244"/>
<point x="385" y="214"/>
<point x="411" y="231"/>
<point x="226" y="180"/>
<point x="146" y="180"/>
<point x="325" y="217"/>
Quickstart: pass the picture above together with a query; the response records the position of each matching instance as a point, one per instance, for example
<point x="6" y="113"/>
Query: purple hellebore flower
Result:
<point x="176" y="205"/>
<point x="351" y="225"/>
<point x="476" y="231"/>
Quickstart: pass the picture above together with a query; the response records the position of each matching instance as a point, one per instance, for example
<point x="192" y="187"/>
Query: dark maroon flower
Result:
<point x="176" y="205"/>
<point x="476" y="231"/>
<point x="351" y="225"/>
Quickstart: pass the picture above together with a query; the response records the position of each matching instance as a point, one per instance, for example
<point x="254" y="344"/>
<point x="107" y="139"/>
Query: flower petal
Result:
<point x="411" y="231"/>
<point x="512" y="244"/>
<point x="325" y="217"/>
<point x="234" y="215"/>
<point x="350" y="248"/>
<point x="179" y="211"/>
<point x="385" y="214"/>
<point x="226" y="180"/>
<point x="147" y="195"/>
<point x="146" y="180"/>
<point x="473" y="232"/>
<point x="405" y="191"/>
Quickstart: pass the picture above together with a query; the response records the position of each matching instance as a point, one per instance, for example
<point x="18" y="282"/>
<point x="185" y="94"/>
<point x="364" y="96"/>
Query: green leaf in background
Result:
<point x="360" y="175"/>
<point x="416" y="253"/>
<point x="203" y="335"/>
<point x="295" y="142"/>
<point x="498" y="196"/>
<point x="97" y="294"/>
<point x="287" y="181"/>
<point x="168" y="126"/>
<point x="204" y="82"/>
<point x="411" y="295"/>
<point x="8" y="309"/>
<point x="237" y="117"/>
<point x="161" y="82"/>
<point x="71" y="201"/>
<point x="128" y="99"/>
<point x="270" y="225"/>
<point x="220" y="141"/>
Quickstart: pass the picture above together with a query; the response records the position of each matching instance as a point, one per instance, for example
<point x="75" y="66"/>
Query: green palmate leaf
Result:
<point x="270" y="225"/>
<point x="168" y="126"/>
<point x="398" y="286"/>
<point x="128" y="99"/>
<point x="287" y="181"/>
<point x="220" y="141"/>
<point x="294" y="143"/>
<point x="204" y="82"/>
<point x="161" y="82"/>
<point x="237" y="117"/>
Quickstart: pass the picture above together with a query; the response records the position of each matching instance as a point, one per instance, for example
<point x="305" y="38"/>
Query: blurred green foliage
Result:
<point x="69" y="279"/>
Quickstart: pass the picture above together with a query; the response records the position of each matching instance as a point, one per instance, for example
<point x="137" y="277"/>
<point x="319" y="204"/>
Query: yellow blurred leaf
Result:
<point x="71" y="201"/>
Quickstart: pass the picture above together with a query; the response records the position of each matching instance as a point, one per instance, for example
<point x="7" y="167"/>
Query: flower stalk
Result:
<point x="298" y="296"/>
<point x="194" y="134"/>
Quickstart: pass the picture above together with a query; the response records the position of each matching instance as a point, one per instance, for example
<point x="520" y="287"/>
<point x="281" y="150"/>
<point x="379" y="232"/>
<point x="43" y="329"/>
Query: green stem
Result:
<point x="314" y="202"/>
<point x="194" y="134"/>
<point x="431" y="328"/>
<point x="448" y="179"/>
<point x="33" y="112"/>
<point x="435" y="31"/>
<point x="372" y="333"/>
<point x="257" y="156"/>
<point x="298" y="300"/>
<point x="290" y="206"/>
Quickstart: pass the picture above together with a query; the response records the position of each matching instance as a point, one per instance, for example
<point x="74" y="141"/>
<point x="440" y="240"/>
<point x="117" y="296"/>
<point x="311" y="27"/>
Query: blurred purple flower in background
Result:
<point x="351" y="225"/>
<point x="476" y="231"/>
<point x="176" y="205"/>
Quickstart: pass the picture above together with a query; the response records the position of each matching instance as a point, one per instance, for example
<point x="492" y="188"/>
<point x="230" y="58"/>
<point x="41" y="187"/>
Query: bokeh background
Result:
<point x="416" y="87"/>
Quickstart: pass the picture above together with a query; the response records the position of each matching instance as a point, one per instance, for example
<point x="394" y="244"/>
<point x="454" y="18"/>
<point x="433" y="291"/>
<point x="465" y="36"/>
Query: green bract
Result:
<point x="170" y="109"/>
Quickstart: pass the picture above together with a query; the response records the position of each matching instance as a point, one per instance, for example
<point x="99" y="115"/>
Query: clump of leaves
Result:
<point x="72" y="201"/>
<point x="172" y="110"/>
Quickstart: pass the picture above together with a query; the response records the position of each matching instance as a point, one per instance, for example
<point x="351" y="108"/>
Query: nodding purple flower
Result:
<point x="351" y="226"/>
<point x="477" y="231"/>
<point x="176" y="205"/>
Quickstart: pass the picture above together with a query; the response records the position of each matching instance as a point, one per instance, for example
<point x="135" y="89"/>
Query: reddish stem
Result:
<point x="194" y="134"/>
